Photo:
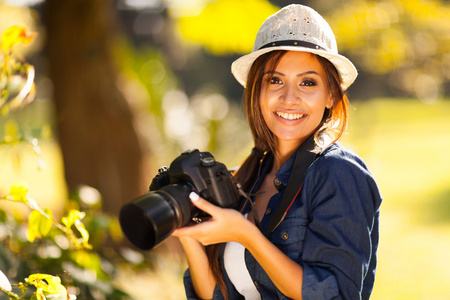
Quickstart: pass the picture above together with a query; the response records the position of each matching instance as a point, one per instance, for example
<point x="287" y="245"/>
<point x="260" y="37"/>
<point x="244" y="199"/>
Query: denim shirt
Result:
<point x="331" y="230"/>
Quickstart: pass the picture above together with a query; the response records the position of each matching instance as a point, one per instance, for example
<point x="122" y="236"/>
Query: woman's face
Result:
<point x="294" y="97"/>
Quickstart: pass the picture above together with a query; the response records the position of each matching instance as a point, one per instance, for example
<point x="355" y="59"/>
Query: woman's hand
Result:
<point x="222" y="226"/>
<point x="225" y="224"/>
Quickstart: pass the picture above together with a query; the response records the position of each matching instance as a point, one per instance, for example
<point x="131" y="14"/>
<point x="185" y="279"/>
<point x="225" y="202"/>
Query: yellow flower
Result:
<point x="14" y="35"/>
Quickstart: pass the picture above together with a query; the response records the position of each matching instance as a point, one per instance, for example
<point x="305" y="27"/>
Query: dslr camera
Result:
<point x="151" y="218"/>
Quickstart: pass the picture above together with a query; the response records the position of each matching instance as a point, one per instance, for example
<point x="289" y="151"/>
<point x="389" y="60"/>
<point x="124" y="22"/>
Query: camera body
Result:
<point x="151" y="218"/>
<point x="207" y="177"/>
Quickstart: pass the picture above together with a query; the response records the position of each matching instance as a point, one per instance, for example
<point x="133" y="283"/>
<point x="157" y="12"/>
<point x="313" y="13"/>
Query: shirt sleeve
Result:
<point x="192" y="295"/>
<point x="342" y="234"/>
<point x="189" y="287"/>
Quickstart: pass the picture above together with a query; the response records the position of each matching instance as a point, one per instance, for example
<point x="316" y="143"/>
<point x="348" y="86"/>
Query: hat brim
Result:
<point x="347" y="71"/>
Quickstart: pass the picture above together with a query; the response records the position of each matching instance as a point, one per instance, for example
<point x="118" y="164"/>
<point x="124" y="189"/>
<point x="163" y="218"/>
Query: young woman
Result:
<point x="303" y="236"/>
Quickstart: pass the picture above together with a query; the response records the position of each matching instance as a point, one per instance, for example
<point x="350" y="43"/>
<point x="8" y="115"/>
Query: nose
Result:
<point x="291" y="94"/>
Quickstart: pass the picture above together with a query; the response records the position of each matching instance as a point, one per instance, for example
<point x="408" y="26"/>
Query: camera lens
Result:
<point x="151" y="218"/>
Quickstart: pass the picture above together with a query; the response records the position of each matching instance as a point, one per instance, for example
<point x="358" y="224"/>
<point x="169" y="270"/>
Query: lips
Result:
<point x="288" y="116"/>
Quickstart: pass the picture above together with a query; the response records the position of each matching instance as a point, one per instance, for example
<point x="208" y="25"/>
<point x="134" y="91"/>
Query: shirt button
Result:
<point x="284" y="236"/>
<point x="255" y="283"/>
<point x="268" y="211"/>
<point x="277" y="181"/>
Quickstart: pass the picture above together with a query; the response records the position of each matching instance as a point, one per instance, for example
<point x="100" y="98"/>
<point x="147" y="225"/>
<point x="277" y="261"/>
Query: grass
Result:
<point x="404" y="142"/>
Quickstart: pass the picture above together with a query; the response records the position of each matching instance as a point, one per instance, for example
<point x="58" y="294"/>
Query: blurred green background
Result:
<point x="155" y="76"/>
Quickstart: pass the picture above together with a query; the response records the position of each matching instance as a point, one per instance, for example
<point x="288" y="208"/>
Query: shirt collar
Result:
<point x="282" y="176"/>
<point x="284" y="172"/>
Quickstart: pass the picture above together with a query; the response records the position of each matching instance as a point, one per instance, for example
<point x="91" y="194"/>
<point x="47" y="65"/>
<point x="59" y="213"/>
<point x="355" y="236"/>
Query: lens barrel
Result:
<point x="153" y="217"/>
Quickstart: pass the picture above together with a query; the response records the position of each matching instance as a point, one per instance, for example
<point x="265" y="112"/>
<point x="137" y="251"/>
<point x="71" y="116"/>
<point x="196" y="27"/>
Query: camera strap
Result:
<point x="305" y="157"/>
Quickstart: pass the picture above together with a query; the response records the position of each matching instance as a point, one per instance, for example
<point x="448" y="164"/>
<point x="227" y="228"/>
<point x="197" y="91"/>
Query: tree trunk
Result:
<point x="94" y="121"/>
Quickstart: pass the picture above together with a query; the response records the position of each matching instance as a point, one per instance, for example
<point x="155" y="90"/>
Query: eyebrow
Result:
<point x="298" y="75"/>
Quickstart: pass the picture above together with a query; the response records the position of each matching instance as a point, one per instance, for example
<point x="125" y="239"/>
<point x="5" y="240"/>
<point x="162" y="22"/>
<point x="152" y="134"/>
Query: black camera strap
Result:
<point x="305" y="157"/>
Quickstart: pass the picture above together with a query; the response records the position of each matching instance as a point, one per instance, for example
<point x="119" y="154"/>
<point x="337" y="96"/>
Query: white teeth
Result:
<point x="289" y="116"/>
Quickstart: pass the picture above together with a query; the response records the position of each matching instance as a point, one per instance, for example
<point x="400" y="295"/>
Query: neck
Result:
<point x="284" y="151"/>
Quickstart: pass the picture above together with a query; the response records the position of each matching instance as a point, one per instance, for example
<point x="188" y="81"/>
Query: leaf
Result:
<point x="74" y="219"/>
<point x="39" y="225"/>
<point x="19" y="192"/>
<point x="4" y="282"/>
<point x="15" y="35"/>
<point x="46" y="284"/>
<point x="73" y="216"/>
<point x="82" y="230"/>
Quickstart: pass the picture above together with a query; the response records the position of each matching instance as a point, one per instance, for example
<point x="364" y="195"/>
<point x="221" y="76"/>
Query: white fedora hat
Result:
<point x="296" y="28"/>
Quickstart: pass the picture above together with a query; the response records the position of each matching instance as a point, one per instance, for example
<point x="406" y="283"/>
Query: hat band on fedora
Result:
<point x="297" y="43"/>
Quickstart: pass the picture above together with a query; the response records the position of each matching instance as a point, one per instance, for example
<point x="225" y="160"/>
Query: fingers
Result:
<point x="192" y="229"/>
<point x="194" y="196"/>
<point x="221" y="227"/>
<point x="203" y="205"/>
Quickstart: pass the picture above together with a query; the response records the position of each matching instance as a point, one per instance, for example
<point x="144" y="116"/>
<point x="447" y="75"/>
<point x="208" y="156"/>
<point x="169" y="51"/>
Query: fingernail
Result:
<point x="193" y="196"/>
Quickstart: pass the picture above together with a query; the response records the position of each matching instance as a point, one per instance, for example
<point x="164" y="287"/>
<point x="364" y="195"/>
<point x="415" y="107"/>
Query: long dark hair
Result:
<point x="331" y="128"/>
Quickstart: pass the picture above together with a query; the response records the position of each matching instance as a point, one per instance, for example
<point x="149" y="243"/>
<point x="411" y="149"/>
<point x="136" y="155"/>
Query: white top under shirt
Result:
<point x="234" y="261"/>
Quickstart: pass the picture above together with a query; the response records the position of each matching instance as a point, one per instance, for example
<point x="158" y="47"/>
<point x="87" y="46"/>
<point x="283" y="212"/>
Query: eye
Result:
<point x="308" y="82"/>
<point x="275" y="80"/>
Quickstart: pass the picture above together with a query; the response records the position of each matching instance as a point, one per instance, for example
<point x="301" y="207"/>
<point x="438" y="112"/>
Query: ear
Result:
<point x="330" y="101"/>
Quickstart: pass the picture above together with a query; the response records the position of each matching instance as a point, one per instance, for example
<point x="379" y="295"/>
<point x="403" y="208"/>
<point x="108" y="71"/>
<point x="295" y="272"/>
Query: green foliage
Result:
<point x="56" y="246"/>
<point x="38" y="224"/>
<point x="74" y="219"/>
<point x="16" y="77"/>
<point x="42" y="243"/>
<point x="176" y="121"/>
<point x="407" y="39"/>
<point x="18" y="193"/>
<point x="227" y="26"/>
<point x="46" y="287"/>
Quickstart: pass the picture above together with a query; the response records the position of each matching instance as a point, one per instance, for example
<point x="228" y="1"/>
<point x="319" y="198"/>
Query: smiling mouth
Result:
<point x="289" y="116"/>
